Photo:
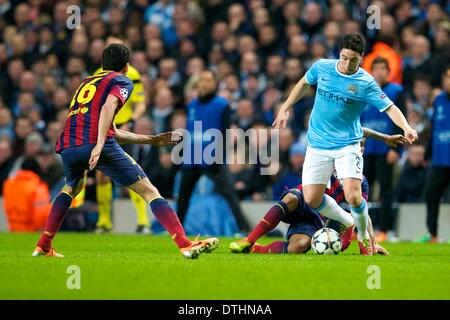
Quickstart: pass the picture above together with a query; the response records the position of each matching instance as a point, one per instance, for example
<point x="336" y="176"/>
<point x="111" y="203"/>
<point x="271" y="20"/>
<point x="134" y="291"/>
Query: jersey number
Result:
<point x="85" y="92"/>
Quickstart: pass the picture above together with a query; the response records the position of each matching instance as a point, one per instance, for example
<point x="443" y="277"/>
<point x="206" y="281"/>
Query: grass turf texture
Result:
<point x="150" y="267"/>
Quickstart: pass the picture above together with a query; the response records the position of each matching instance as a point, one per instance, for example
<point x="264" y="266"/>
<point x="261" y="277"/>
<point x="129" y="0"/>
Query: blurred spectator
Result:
<point x="440" y="55"/>
<point x="237" y="20"/>
<point x="169" y="73"/>
<point x="439" y="150"/>
<point x="32" y="145"/>
<point x="293" y="71"/>
<point x="420" y="62"/>
<point x="6" y="123"/>
<point x="265" y="169"/>
<point x="163" y="172"/>
<point x="413" y="177"/>
<point x="252" y="88"/>
<point x="274" y="70"/>
<point x="52" y="171"/>
<point x="269" y="100"/>
<point x="245" y="114"/>
<point x="144" y="154"/>
<point x="213" y="112"/>
<point x="23" y="128"/>
<point x="312" y="20"/>
<point x="286" y="138"/>
<point x="404" y="14"/>
<point x="53" y="131"/>
<point x="6" y="161"/>
<point x="298" y="47"/>
<point x="160" y="14"/>
<point x="421" y="91"/>
<point x="243" y="176"/>
<point x="407" y="37"/>
<point x="28" y="209"/>
<point x="162" y="109"/>
<point x="232" y="84"/>
<point x="384" y="48"/>
<point x="416" y="118"/>
<point x="178" y="120"/>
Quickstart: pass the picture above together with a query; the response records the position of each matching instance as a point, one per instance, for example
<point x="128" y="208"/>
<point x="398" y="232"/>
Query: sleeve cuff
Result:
<point x="387" y="107"/>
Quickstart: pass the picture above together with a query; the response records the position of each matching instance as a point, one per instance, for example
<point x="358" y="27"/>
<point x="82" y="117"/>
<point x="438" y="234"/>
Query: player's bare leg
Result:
<point x="299" y="243"/>
<point x="60" y="206"/>
<point x="313" y="194"/>
<point x="169" y="219"/>
<point x="360" y="213"/>
<point x="316" y="198"/>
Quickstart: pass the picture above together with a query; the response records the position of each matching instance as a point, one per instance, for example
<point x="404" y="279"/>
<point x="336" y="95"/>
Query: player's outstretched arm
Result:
<point x="399" y="119"/>
<point x="296" y="94"/>
<point x="106" y="118"/>
<point x="391" y="140"/>
<point x="160" y="140"/>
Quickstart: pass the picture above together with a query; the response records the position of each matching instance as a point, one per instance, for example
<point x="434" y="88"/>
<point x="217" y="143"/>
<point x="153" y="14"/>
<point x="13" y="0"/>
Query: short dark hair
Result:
<point x="378" y="60"/>
<point x="22" y="117"/>
<point x="354" y="41"/>
<point x="422" y="77"/>
<point x="31" y="164"/>
<point x="212" y="73"/>
<point x="386" y="38"/>
<point x="115" y="57"/>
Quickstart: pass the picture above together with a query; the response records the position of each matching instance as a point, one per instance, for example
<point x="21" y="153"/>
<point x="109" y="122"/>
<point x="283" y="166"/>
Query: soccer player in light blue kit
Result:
<point x="335" y="133"/>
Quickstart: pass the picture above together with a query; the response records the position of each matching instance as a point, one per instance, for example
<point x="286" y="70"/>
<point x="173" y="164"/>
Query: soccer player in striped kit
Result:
<point x="90" y="141"/>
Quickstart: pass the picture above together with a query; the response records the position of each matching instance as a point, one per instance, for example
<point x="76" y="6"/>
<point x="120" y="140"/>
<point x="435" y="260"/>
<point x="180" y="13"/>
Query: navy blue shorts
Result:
<point x="307" y="228"/>
<point x="113" y="162"/>
<point x="302" y="220"/>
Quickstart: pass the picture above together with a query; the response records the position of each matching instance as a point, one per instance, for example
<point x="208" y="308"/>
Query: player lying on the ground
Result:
<point x="304" y="221"/>
<point x="90" y="141"/>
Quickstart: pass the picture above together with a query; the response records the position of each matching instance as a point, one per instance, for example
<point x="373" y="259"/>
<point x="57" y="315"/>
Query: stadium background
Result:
<point x="259" y="50"/>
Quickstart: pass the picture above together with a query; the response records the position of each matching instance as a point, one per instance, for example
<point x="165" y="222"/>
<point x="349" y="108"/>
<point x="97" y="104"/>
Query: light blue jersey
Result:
<point x="339" y="103"/>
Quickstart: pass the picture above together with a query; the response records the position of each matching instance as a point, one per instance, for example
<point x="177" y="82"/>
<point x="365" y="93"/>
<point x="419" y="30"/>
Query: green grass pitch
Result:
<point x="150" y="267"/>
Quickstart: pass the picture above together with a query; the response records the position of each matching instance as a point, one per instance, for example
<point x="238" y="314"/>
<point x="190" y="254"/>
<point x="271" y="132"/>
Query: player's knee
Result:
<point x="312" y="201"/>
<point x="354" y="199"/>
<point x="145" y="189"/>
<point x="291" y="200"/>
<point x="299" y="244"/>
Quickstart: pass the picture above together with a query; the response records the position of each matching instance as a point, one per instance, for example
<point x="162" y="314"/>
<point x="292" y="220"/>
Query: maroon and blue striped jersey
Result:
<point x="82" y="120"/>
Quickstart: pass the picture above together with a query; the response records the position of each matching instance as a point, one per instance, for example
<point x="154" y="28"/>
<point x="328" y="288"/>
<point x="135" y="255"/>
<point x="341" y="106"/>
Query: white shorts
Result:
<point x="319" y="164"/>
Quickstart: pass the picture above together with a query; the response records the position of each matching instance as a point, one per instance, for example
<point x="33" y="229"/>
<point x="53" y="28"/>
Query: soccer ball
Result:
<point x="326" y="241"/>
